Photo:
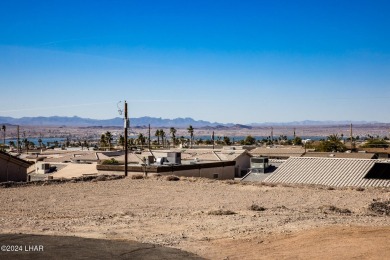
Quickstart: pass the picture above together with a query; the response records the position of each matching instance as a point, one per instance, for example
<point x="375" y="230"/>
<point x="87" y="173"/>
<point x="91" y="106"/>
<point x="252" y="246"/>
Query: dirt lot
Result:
<point x="191" y="215"/>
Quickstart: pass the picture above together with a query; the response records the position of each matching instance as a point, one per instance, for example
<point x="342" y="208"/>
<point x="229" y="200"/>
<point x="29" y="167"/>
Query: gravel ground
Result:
<point x="190" y="214"/>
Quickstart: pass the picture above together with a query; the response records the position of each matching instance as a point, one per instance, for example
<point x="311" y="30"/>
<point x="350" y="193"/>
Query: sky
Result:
<point x="221" y="61"/>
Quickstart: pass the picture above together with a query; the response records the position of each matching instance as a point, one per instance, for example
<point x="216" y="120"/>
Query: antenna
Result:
<point x="120" y="111"/>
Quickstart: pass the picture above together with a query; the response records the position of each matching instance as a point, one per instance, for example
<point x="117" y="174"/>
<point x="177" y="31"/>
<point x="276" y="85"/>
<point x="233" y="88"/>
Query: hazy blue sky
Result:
<point x="226" y="61"/>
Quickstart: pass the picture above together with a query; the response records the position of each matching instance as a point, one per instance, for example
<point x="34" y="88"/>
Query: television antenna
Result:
<point x="120" y="111"/>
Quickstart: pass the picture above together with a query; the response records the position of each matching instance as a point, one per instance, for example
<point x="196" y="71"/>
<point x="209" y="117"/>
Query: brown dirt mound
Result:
<point x="324" y="243"/>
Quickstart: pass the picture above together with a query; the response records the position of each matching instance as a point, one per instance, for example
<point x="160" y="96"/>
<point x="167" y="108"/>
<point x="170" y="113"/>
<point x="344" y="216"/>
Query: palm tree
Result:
<point x="162" y="135"/>
<point x="190" y="130"/>
<point x="334" y="138"/>
<point x="332" y="144"/>
<point x="103" y="140"/>
<point x="85" y="144"/>
<point x="172" y="130"/>
<point x="11" y="143"/>
<point x="158" y="134"/>
<point x="26" y="144"/>
<point x="141" y="139"/>
<point x="108" y="138"/>
<point x="121" y="141"/>
<point x="40" y="142"/>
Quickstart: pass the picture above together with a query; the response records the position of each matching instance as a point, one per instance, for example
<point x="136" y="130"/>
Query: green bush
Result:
<point x="111" y="161"/>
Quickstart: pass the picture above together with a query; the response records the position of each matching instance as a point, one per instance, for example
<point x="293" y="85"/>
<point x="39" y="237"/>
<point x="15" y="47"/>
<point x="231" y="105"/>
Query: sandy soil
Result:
<point x="297" y="221"/>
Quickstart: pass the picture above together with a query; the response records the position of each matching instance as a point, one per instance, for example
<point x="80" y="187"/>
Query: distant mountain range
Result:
<point x="155" y="122"/>
<point x="117" y="121"/>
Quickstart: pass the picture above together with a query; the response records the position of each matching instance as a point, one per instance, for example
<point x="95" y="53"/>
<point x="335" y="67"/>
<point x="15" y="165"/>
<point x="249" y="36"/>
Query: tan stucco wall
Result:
<point x="224" y="173"/>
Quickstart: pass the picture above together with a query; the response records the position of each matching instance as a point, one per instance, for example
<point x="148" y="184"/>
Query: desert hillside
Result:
<point x="212" y="219"/>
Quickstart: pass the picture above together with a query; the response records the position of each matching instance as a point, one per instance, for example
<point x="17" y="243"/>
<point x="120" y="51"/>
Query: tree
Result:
<point x="172" y="130"/>
<point x="11" y="143"/>
<point x="182" y="140"/>
<point x="199" y="141"/>
<point x="297" y="141"/>
<point x="162" y="135"/>
<point x="158" y="134"/>
<point x="226" y="140"/>
<point x="332" y="144"/>
<point x="40" y="142"/>
<point x="141" y="139"/>
<point x="121" y="141"/>
<point x="376" y="143"/>
<point x="103" y="140"/>
<point x="26" y="144"/>
<point x="85" y="144"/>
<point x="190" y="130"/>
<point x="108" y="137"/>
<point x="249" y="140"/>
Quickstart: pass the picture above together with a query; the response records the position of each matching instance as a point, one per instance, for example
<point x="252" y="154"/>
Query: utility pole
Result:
<point x="126" y="126"/>
<point x="18" y="143"/>
<point x="351" y="138"/>
<point x="212" y="137"/>
<point x="272" y="135"/>
<point x="294" y="133"/>
<point x="3" y="128"/>
<point x="149" y="138"/>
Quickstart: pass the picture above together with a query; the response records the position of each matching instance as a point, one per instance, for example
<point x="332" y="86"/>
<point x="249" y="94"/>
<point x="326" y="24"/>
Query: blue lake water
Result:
<point x="239" y="138"/>
<point x="35" y="140"/>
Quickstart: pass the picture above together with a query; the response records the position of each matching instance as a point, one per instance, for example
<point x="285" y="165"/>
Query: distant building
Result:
<point x="277" y="152"/>
<point x="341" y="155"/>
<point x="13" y="168"/>
<point x="382" y="153"/>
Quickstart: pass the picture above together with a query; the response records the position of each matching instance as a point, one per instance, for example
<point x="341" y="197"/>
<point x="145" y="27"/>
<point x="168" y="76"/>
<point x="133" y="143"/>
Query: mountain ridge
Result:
<point x="159" y="122"/>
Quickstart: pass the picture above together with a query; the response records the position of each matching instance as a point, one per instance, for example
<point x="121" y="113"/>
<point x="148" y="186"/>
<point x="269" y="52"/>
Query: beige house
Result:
<point x="12" y="168"/>
<point x="240" y="156"/>
<point x="211" y="170"/>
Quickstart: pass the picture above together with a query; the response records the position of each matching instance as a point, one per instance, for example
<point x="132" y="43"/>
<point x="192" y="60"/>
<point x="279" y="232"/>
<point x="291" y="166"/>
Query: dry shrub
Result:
<point x="192" y="179"/>
<point x="137" y="176"/>
<point x="101" y="178"/>
<point x="334" y="209"/>
<point x="268" y="184"/>
<point x="360" y="189"/>
<point x="256" y="207"/>
<point x="330" y="188"/>
<point x="221" y="212"/>
<point x="231" y="182"/>
<point x="172" y="178"/>
<point x="382" y="208"/>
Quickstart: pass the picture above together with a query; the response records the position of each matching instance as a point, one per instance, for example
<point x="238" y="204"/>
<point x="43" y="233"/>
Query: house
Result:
<point x="239" y="156"/>
<point x="341" y="155"/>
<point x="337" y="172"/>
<point x="383" y="153"/>
<point x="212" y="170"/>
<point x="12" y="168"/>
<point x="278" y="152"/>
